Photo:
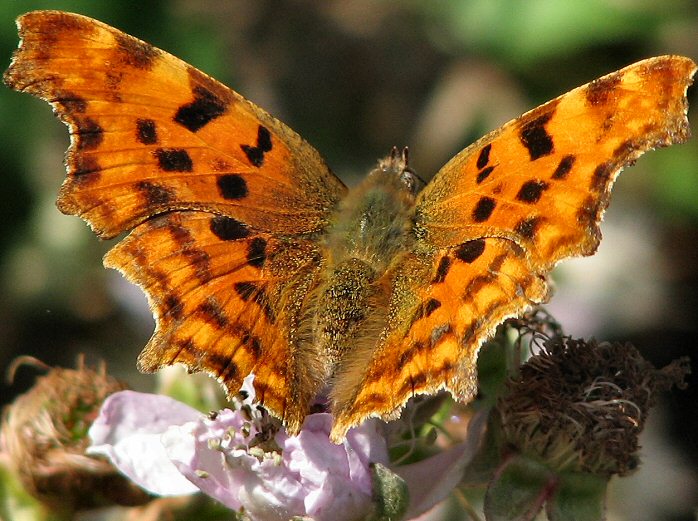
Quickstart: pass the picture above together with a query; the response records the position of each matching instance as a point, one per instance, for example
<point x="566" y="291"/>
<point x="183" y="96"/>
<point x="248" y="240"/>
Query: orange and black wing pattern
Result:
<point x="219" y="196"/>
<point x="495" y="220"/>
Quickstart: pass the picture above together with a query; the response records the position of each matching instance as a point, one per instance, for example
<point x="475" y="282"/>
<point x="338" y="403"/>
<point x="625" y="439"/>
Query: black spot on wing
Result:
<point x="212" y="312"/>
<point x="470" y="251"/>
<point x="484" y="157"/>
<point x="174" y="160"/>
<point x="483" y="210"/>
<point x="228" y="229"/>
<point x="442" y="270"/>
<point x="90" y="134"/>
<point x="228" y="368"/>
<point x="232" y="186"/>
<point x="588" y="214"/>
<point x="483" y="174"/>
<point x="82" y="165"/>
<point x="535" y="137"/>
<point x="252" y="343"/>
<point x="252" y="291"/>
<point x="564" y="167"/>
<point x="257" y="252"/>
<point x="72" y="103"/>
<point x="255" y="154"/>
<point x="430" y="306"/>
<point x="527" y="227"/>
<point x="134" y="52"/>
<point x="246" y="290"/>
<point x="155" y="195"/>
<point x="599" y="91"/>
<point x="626" y="149"/>
<point x="425" y="309"/>
<point x="470" y="331"/>
<point x="407" y="355"/>
<point x="146" y="131"/>
<point x="205" y="108"/>
<point x="173" y="307"/>
<point x="200" y="261"/>
<point x="413" y="384"/>
<point x="531" y="191"/>
<point x="602" y="174"/>
<point x="223" y="365"/>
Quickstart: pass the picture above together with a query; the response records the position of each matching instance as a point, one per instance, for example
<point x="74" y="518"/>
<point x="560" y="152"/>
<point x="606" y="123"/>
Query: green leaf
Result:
<point x="519" y="490"/>
<point x="492" y="368"/>
<point x="579" y="497"/>
<point x="390" y="495"/>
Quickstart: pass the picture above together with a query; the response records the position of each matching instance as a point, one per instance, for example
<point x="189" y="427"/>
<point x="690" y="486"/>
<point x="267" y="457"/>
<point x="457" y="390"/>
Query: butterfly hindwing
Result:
<point x="225" y="299"/>
<point x="463" y="293"/>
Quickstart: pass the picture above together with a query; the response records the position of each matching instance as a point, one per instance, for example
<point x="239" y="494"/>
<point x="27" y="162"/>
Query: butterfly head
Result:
<point x="397" y="164"/>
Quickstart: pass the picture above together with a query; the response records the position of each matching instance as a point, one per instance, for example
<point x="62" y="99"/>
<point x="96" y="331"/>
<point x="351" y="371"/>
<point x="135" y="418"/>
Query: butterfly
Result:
<point x="256" y="258"/>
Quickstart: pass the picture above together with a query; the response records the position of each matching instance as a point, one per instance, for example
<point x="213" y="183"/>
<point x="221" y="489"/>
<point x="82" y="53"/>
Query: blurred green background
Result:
<point x="356" y="77"/>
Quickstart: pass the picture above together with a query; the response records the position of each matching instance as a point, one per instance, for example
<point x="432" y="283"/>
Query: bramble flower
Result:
<point x="244" y="459"/>
<point x="241" y="456"/>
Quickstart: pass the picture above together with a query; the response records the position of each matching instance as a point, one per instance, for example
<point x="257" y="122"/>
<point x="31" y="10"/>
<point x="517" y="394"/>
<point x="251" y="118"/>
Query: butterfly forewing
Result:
<point x="544" y="179"/>
<point x="151" y="134"/>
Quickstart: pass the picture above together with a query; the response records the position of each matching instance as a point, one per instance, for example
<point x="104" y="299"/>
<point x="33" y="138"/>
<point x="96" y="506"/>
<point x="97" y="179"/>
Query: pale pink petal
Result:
<point x="310" y="476"/>
<point x="169" y="448"/>
<point x="337" y="476"/>
<point x="128" y="430"/>
<point x="214" y="455"/>
<point x="366" y="444"/>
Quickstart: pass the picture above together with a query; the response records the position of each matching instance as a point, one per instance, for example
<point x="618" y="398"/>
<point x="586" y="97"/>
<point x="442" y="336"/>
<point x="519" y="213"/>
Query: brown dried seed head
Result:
<point x="581" y="405"/>
<point x="44" y="437"/>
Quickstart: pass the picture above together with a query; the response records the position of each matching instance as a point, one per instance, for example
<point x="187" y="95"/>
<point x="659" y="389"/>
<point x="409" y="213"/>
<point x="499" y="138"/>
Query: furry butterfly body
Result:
<point x="256" y="258"/>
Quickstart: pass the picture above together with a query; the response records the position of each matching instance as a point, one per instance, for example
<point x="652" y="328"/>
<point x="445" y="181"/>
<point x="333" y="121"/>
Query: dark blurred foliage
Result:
<point x="356" y="77"/>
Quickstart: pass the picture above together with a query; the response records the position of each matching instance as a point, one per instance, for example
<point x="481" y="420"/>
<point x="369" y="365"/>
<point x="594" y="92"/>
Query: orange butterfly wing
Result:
<point x="544" y="179"/>
<point x="444" y="306"/>
<point x="494" y="221"/>
<point x="150" y="134"/>
<point x="225" y="299"/>
<point x="221" y="196"/>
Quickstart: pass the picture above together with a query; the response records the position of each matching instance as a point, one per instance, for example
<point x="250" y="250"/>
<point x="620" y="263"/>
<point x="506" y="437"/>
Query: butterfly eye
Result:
<point x="412" y="181"/>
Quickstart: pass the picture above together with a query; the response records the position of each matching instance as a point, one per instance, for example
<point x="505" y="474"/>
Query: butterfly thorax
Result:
<point x="370" y="232"/>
